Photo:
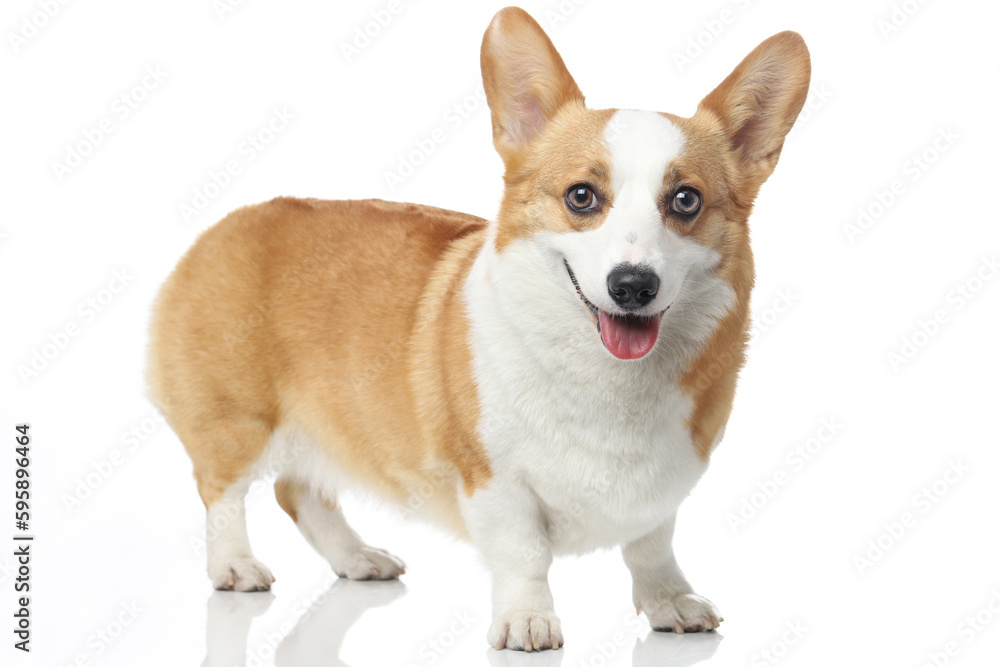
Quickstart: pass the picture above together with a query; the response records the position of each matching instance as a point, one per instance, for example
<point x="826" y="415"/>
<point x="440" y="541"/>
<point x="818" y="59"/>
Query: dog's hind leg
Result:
<point x="231" y="564"/>
<point x="224" y="453"/>
<point x="322" y="523"/>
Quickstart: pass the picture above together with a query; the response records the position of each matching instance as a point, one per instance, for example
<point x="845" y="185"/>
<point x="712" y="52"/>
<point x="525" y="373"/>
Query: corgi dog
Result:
<point x="549" y="382"/>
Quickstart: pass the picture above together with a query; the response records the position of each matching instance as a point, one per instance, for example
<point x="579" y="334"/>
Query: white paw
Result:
<point x="369" y="563"/>
<point x="682" y="613"/>
<point x="241" y="573"/>
<point x="525" y="631"/>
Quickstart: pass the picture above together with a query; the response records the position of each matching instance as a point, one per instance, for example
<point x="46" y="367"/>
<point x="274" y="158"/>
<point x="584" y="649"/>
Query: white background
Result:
<point x="128" y="539"/>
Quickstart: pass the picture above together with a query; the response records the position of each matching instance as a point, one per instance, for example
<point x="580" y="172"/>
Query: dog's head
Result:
<point x="632" y="210"/>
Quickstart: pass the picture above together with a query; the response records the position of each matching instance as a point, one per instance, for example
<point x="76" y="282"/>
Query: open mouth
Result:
<point x="625" y="336"/>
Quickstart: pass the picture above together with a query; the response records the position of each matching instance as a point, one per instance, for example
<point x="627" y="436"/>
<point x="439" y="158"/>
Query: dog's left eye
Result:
<point x="581" y="198"/>
<point x="686" y="201"/>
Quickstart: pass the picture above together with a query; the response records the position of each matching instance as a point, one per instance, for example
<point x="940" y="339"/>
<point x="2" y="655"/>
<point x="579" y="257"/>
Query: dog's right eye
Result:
<point x="581" y="198"/>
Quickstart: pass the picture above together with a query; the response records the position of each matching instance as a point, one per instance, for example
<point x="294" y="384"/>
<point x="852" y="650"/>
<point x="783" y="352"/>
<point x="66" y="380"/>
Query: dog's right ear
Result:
<point x="525" y="79"/>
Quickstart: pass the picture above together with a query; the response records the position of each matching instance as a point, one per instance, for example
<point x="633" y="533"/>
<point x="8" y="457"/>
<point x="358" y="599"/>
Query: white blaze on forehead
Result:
<point x="642" y="144"/>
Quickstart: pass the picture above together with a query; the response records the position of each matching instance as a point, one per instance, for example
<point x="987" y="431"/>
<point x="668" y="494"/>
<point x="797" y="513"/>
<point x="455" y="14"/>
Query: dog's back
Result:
<point x="319" y="314"/>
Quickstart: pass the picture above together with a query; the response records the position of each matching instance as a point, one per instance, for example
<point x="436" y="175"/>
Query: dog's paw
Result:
<point x="526" y="631"/>
<point x="244" y="573"/>
<point x="682" y="613"/>
<point x="368" y="563"/>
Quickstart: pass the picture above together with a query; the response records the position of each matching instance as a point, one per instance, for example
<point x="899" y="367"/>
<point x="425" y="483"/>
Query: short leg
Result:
<point x="659" y="588"/>
<point x="509" y="530"/>
<point x="231" y="564"/>
<point x="322" y="523"/>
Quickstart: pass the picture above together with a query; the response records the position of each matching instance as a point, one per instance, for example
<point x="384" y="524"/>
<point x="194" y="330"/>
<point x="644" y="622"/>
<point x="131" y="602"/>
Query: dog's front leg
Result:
<point x="508" y="527"/>
<point x="659" y="588"/>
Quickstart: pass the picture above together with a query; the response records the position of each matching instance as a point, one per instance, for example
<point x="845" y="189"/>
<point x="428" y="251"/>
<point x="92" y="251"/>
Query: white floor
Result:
<point x="122" y="582"/>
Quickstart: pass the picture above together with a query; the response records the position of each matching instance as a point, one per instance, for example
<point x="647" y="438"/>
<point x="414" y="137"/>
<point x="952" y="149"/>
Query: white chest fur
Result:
<point x="603" y="443"/>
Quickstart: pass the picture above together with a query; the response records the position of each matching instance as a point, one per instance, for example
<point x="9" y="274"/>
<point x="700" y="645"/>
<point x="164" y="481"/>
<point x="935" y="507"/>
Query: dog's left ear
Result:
<point x="525" y="79"/>
<point x="760" y="100"/>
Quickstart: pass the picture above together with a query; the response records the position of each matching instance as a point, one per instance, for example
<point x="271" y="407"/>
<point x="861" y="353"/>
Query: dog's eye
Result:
<point x="581" y="198"/>
<point x="686" y="202"/>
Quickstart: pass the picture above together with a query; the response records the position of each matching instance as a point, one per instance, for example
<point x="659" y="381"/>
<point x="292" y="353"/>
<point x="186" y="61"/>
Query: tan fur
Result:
<point x="732" y="145"/>
<point x="539" y="166"/>
<point x="342" y="318"/>
<point x="345" y="319"/>
<point x="286" y="492"/>
<point x="524" y="77"/>
<point x="749" y="114"/>
<point x="537" y="179"/>
<point x="757" y="104"/>
<point x="289" y="492"/>
<point x="707" y="164"/>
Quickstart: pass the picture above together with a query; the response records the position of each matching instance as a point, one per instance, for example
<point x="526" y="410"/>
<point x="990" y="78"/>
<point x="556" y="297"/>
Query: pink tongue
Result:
<point x="629" y="338"/>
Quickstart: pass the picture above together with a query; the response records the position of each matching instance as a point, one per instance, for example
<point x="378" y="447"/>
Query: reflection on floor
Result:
<point x="318" y="635"/>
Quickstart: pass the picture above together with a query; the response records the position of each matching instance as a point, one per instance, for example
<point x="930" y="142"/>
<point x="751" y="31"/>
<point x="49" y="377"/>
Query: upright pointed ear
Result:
<point x="526" y="81"/>
<point x="758" y="103"/>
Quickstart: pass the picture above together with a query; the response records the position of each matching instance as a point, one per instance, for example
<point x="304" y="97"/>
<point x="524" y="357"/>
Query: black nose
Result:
<point x="632" y="286"/>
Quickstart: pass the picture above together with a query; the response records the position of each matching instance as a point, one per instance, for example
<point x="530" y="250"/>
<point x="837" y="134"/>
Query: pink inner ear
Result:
<point x="527" y="121"/>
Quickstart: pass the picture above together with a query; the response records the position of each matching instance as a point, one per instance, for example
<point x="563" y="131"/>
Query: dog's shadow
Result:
<point x="316" y="637"/>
